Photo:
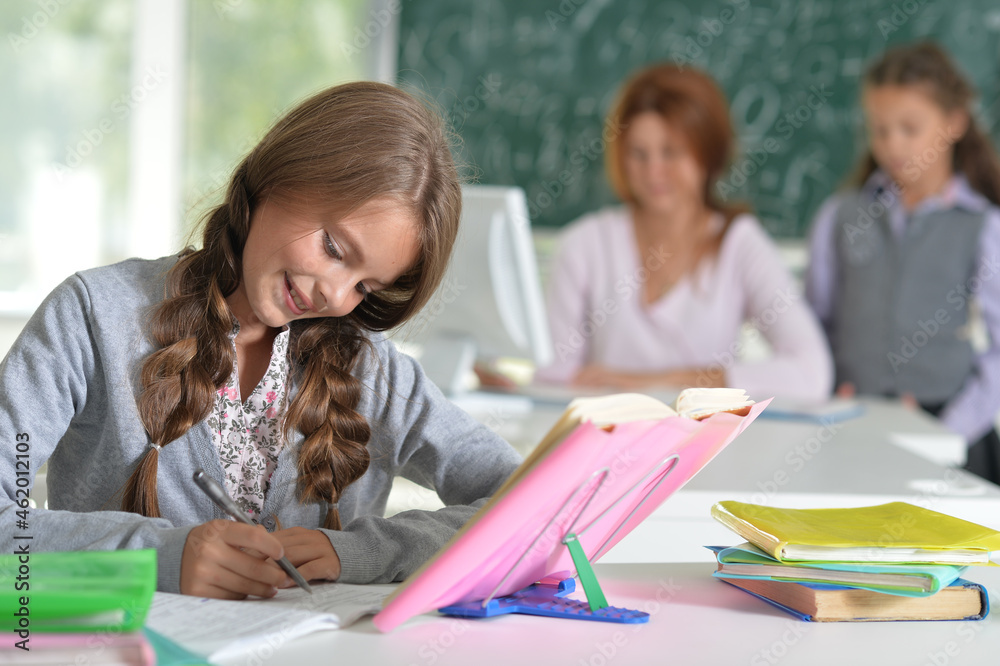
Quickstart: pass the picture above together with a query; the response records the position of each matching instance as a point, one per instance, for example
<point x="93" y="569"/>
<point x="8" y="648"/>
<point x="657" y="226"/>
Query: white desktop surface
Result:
<point x="662" y="567"/>
<point x="695" y="620"/>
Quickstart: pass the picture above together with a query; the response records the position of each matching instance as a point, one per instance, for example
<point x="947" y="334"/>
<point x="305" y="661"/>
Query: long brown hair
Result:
<point x="927" y="66"/>
<point x="690" y="101"/>
<point x="342" y="147"/>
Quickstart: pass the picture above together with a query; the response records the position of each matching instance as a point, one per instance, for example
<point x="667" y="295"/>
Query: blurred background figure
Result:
<point x="656" y="292"/>
<point x="901" y="263"/>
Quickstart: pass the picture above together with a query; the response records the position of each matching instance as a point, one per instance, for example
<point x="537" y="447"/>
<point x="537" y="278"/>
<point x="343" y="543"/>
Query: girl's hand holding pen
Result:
<point x="311" y="552"/>
<point x="217" y="561"/>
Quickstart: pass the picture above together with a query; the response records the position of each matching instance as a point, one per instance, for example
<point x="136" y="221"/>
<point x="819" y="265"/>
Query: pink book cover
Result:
<point x="88" y="648"/>
<point x="592" y="481"/>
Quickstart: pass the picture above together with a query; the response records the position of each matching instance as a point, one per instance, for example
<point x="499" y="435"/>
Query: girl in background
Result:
<point x="905" y="262"/>
<point x="259" y="358"/>
<point x="655" y="292"/>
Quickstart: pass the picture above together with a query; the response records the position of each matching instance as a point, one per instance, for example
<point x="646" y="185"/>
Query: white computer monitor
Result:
<point x="489" y="303"/>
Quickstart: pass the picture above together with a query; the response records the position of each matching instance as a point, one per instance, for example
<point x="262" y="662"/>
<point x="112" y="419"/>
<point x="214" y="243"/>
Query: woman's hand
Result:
<point x="490" y="378"/>
<point x="599" y="376"/>
<point x="223" y="559"/>
<point x="845" y="390"/>
<point x="602" y="376"/>
<point x="707" y="377"/>
<point x="311" y="552"/>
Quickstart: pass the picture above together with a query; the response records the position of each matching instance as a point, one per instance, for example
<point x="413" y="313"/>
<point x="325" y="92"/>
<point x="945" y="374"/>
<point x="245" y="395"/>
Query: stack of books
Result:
<point x="893" y="561"/>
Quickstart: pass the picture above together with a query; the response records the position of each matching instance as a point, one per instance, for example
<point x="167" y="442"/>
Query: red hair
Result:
<point x="688" y="100"/>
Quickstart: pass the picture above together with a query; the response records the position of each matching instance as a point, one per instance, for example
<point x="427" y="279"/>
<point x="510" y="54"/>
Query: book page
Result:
<point x="602" y="411"/>
<point x="219" y="629"/>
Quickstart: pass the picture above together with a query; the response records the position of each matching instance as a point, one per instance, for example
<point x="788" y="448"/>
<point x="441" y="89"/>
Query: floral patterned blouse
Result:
<point x="247" y="434"/>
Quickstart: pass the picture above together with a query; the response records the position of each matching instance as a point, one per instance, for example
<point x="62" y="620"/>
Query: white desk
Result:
<point x="697" y="619"/>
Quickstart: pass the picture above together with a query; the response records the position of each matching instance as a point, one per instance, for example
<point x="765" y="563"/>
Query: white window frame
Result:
<point x="157" y="131"/>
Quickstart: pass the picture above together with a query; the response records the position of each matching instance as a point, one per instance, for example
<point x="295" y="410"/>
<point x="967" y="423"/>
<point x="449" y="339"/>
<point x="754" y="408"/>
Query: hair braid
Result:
<point x="194" y="358"/>
<point x="333" y="454"/>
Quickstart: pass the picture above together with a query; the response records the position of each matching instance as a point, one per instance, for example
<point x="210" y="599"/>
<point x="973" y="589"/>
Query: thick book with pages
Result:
<point x="962" y="600"/>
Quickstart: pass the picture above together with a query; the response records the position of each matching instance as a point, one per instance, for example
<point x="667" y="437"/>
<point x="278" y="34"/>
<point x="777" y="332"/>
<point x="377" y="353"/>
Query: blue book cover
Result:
<point x="749" y="562"/>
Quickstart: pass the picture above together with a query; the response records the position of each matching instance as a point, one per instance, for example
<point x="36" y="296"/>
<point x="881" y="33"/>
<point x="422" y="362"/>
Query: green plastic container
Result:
<point x="77" y="591"/>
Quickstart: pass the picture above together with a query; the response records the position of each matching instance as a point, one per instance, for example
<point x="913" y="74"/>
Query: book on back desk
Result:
<point x="962" y="600"/>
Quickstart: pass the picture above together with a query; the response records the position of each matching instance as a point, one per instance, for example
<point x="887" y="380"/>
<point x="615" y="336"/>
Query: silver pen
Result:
<point x="218" y="494"/>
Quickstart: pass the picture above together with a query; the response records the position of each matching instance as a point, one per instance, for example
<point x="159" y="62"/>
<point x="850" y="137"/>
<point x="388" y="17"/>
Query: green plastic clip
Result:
<point x="591" y="588"/>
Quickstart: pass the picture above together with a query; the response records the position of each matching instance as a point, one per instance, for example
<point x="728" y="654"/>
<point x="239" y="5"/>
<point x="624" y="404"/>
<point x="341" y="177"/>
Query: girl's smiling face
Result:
<point x="302" y="262"/>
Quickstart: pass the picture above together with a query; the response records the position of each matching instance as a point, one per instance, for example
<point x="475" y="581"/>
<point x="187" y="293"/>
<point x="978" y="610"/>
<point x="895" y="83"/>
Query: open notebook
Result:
<point x="218" y="629"/>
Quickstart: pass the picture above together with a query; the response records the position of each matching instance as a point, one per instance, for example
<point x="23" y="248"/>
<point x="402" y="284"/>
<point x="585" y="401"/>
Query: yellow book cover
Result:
<point x="894" y="532"/>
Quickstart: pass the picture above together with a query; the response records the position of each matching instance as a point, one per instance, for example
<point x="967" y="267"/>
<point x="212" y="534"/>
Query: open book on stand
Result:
<point x="603" y="468"/>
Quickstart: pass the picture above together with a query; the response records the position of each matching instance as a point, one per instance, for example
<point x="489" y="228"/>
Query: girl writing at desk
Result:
<point x="901" y="262"/>
<point x="656" y="292"/>
<point x="259" y="358"/>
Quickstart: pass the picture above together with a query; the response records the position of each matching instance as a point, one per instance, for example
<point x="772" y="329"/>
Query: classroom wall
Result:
<point x="527" y="84"/>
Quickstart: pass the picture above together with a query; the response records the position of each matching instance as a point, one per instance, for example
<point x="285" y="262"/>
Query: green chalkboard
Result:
<point x="527" y="84"/>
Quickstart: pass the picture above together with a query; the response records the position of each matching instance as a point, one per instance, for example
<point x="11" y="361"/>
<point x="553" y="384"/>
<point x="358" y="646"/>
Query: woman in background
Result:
<point x="656" y="292"/>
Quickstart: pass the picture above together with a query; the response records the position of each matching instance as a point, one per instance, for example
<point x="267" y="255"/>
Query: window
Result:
<point x="63" y="178"/>
<point x="249" y="63"/>
<point x="129" y="115"/>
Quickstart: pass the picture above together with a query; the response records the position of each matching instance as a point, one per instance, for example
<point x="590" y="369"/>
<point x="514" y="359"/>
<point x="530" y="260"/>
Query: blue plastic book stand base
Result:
<point x="546" y="599"/>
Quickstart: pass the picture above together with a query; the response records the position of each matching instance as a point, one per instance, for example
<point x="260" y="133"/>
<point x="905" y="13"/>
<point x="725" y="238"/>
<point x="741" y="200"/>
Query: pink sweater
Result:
<point x="596" y="312"/>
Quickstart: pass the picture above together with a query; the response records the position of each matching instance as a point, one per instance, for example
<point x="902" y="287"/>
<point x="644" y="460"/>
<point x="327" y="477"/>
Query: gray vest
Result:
<point x="902" y="308"/>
